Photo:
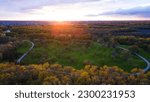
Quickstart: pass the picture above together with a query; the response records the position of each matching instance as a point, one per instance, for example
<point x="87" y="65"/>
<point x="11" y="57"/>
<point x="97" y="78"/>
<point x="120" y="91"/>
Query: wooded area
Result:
<point x="75" y="53"/>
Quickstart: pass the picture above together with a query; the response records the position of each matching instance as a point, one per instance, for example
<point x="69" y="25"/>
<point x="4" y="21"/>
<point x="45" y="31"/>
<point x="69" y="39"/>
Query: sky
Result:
<point x="74" y="10"/>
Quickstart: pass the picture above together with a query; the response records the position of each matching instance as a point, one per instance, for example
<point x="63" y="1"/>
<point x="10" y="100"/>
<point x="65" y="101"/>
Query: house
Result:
<point x="7" y="31"/>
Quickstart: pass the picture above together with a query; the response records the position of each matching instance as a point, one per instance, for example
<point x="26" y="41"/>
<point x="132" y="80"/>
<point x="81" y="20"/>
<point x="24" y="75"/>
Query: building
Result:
<point x="7" y="31"/>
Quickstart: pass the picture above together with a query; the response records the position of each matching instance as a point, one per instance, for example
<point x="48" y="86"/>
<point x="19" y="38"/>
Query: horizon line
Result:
<point x="72" y="20"/>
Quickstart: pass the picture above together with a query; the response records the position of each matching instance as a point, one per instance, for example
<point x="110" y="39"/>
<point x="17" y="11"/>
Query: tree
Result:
<point x="51" y="80"/>
<point x="134" y="49"/>
<point x="125" y="55"/>
<point x="1" y="56"/>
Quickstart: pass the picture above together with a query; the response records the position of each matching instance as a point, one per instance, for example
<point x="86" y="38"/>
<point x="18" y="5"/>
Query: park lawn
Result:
<point x="75" y="56"/>
<point x="146" y="54"/>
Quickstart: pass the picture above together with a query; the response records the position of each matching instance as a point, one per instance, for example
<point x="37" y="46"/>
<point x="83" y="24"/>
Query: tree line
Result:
<point x="56" y="74"/>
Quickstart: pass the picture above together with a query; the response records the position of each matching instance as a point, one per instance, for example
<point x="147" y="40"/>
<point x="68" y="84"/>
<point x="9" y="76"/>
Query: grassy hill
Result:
<point x="78" y="55"/>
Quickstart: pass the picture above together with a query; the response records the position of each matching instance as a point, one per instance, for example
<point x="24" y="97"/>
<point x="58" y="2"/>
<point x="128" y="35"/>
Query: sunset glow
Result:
<point x="67" y="29"/>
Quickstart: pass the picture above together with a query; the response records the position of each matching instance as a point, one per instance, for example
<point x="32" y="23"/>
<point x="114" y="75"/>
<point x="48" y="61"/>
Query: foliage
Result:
<point x="84" y="46"/>
<point x="61" y="75"/>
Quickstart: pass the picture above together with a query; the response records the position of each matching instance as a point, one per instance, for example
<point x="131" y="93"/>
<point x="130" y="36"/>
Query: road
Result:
<point x="26" y="53"/>
<point x="142" y="58"/>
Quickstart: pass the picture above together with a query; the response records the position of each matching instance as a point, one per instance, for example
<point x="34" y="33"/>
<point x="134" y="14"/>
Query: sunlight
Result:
<point x="59" y="28"/>
<point x="66" y="29"/>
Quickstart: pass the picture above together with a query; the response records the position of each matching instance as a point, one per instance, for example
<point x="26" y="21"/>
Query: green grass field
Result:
<point x="77" y="55"/>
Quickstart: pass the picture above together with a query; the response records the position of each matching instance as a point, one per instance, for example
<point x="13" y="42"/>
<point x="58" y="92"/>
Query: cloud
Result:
<point x="137" y="11"/>
<point x="35" y="4"/>
<point x="97" y="9"/>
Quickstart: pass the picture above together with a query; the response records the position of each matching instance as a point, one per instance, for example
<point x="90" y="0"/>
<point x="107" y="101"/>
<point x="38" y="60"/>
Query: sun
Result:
<point x="59" y="21"/>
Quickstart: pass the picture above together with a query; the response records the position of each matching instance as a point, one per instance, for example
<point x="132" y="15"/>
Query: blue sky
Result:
<point x="74" y="10"/>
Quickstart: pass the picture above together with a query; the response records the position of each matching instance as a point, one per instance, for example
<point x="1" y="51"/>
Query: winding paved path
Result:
<point x="26" y="53"/>
<point x="142" y="58"/>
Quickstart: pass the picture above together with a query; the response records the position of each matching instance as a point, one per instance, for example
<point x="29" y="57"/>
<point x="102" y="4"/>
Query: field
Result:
<point x="77" y="55"/>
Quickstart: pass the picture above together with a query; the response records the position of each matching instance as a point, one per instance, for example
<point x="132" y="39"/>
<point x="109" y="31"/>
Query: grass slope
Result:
<point x="77" y="55"/>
